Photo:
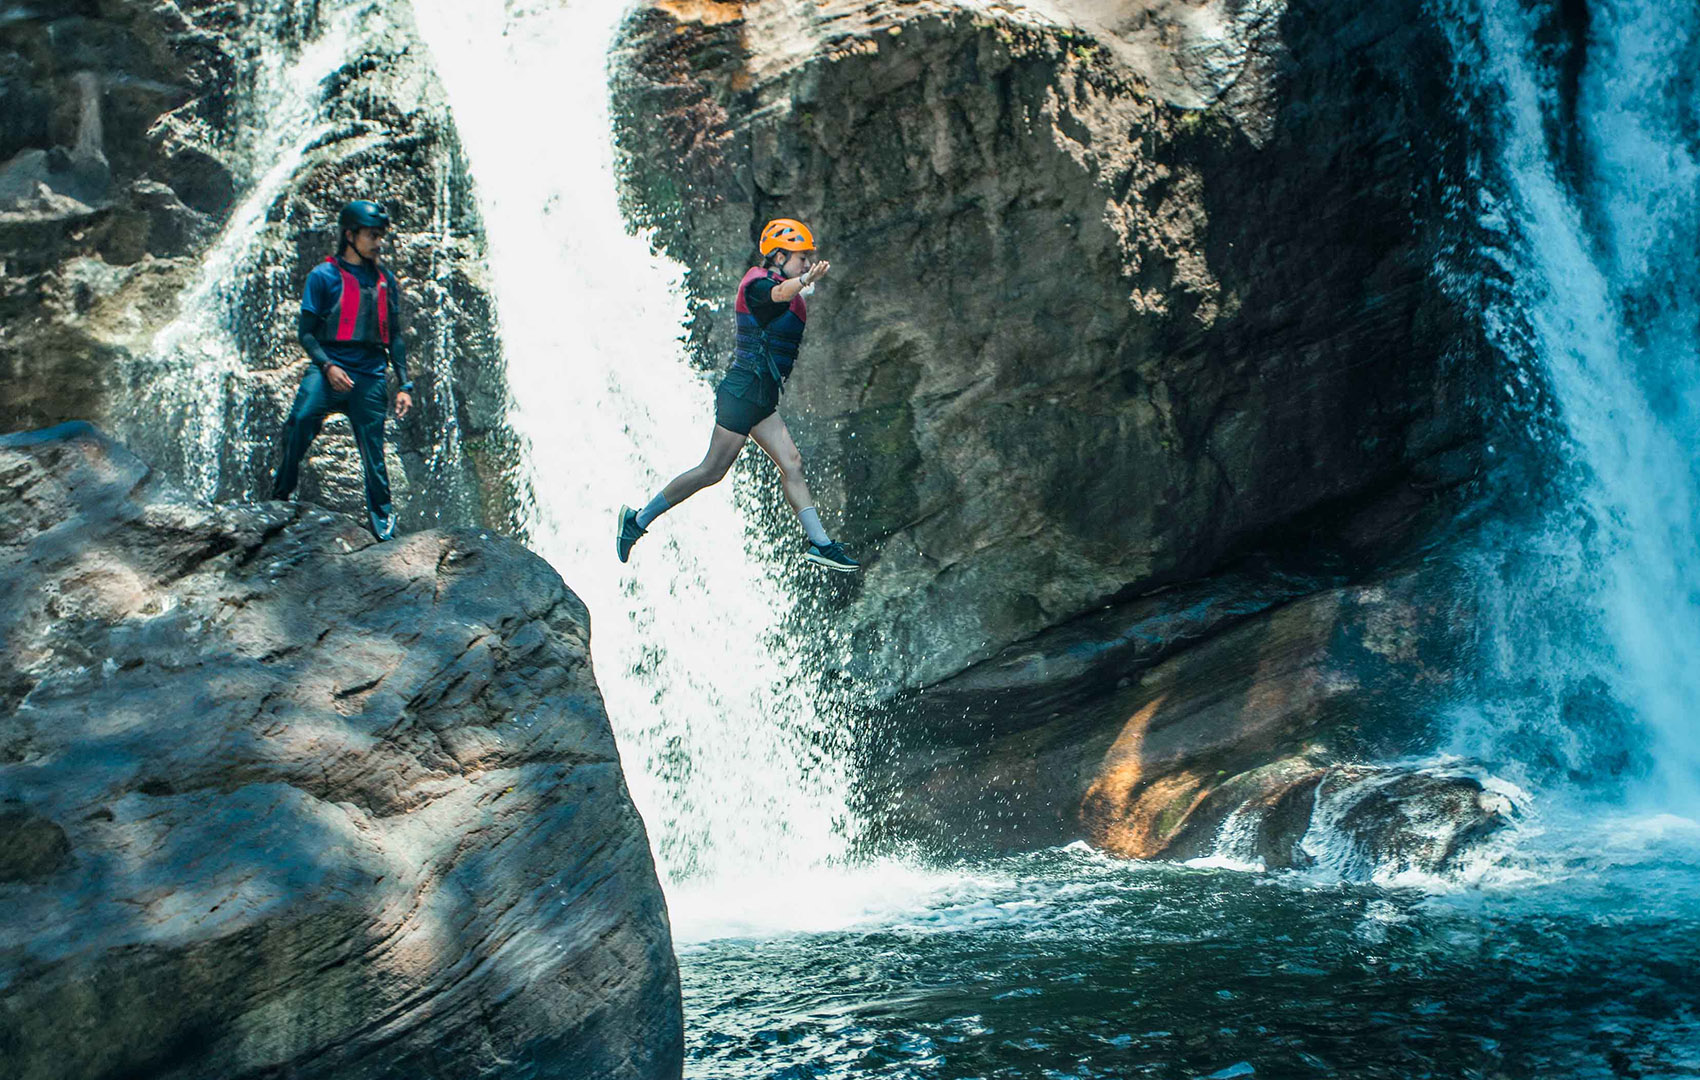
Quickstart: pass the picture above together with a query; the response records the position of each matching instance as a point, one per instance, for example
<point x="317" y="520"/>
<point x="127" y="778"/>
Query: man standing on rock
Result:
<point x="771" y="316"/>
<point x="350" y="325"/>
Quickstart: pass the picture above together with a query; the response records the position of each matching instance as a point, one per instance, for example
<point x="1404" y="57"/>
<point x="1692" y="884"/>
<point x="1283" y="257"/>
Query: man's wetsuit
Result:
<point x="360" y="342"/>
<point x="769" y="333"/>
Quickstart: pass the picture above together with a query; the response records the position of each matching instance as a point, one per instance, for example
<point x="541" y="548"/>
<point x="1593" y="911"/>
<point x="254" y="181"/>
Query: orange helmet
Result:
<point x="787" y="233"/>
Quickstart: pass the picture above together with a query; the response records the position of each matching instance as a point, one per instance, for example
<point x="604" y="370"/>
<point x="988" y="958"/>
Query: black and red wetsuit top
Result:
<point x="354" y="314"/>
<point x="769" y="333"/>
<point x="362" y="312"/>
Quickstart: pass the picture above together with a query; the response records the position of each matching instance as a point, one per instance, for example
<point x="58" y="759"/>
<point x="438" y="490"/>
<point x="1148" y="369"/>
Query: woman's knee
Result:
<point x="715" y="471"/>
<point x="709" y="473"/>
<point x="790" y="465"/>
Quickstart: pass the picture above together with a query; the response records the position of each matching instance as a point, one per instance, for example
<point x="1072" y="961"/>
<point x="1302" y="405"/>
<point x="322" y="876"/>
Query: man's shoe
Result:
<point x="833" y="557"/>
<point x="627" y="534"/>
<point x="383" y="526"/>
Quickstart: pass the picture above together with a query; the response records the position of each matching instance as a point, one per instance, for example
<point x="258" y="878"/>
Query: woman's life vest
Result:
<point x="362" y="315"/>
<point x="770" y="349"/>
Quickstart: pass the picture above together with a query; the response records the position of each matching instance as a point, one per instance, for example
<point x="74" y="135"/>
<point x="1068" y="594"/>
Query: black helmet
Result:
<point x="362" y="214"/>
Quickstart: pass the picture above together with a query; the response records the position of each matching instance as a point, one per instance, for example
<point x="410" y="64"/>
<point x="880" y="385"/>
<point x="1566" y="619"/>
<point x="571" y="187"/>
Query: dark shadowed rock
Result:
<point x="276" y="800"/>
<point x="95" y="222"/>
<point x="1071" y="667"/>
<point x="1240" y="721"/>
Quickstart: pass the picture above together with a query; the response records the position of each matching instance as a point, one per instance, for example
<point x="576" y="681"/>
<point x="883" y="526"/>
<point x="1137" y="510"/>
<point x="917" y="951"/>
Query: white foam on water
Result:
<point x="825" y="899"/>
<point x="732" y="765"/>
<point x="1236" y="846"/>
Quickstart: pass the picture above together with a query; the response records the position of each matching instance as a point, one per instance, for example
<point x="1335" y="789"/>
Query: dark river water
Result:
<point x="1582" y="960"/>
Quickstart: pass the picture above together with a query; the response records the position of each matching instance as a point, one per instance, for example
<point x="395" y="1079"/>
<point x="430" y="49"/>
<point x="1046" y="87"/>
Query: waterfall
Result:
<point x="1590" y="198"/>
<point x="733" y="767"/>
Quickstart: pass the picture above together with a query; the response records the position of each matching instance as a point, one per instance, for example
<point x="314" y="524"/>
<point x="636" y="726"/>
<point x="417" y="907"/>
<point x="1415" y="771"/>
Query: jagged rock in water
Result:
<point x="1375" y="823"/>
<point x="277" y="800"/>
<point x="165" y="310"/>
<point x="1116" y="290"/>
<point x="1260" y="815"/>
<point x="1362" y="822"/>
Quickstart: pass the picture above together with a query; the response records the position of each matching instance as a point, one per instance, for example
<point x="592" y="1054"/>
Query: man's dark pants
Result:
<point x="365" y="406"/>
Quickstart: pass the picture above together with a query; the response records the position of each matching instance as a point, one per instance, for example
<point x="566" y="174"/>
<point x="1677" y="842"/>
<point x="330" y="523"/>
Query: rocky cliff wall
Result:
<point x="1118" y="290"/>
<point x="174" y="172"/>
<point x="276" y="800"/>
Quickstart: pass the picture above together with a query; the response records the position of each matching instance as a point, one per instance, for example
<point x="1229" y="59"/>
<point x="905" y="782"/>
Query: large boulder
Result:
<point x="1118" y="289"/>
<point x="278" y="800"/>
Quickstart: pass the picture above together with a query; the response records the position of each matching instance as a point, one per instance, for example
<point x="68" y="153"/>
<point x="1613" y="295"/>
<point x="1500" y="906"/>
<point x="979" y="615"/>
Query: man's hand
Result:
<point x="816" y="272"/>
<point x="403" y="402"/>
<point x="338" y="378"/>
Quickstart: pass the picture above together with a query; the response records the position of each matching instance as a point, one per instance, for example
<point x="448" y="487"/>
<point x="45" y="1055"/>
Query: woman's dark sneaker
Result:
<point x="627" y="534"/>
<point x="833" y="557"/>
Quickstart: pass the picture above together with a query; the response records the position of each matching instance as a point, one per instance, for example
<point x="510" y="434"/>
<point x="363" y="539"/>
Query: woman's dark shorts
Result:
<point x="736" y="414"/>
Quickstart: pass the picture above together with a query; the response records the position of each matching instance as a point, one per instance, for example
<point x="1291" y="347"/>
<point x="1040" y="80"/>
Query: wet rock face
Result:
<point x="381" y="129"/>
<point x="1243" y="724"/>
<point x="1116" y="290"/>
<point x="90" y="206"/>
<point x="277" y="800"/>
<point x="175" y="174"/>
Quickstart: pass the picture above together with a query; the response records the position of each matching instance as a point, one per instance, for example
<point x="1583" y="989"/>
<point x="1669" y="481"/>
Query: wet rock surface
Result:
<point x="108" y="187"/>
<point x="277" y="800"/>
<point x="174" y="173"/>
<point x="1359" y="822"/>
<point x="1247" y="722"/>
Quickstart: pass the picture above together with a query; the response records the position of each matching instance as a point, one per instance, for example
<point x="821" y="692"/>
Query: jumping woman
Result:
<point x="771" y="318"/>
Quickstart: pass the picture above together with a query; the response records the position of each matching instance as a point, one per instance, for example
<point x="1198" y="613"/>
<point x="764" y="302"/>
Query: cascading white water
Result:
<point x="1596" y="227"/>
<point x="729" y="761"/>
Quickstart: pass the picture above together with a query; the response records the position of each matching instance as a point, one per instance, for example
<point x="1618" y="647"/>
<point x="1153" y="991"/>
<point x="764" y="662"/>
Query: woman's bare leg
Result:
<point x="775" y="440"/>
<point x="724" y="446"/>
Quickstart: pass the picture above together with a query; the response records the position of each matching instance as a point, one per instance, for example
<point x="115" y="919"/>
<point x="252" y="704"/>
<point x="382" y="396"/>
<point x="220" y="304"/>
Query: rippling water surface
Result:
<point x="1066" y="964"/>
